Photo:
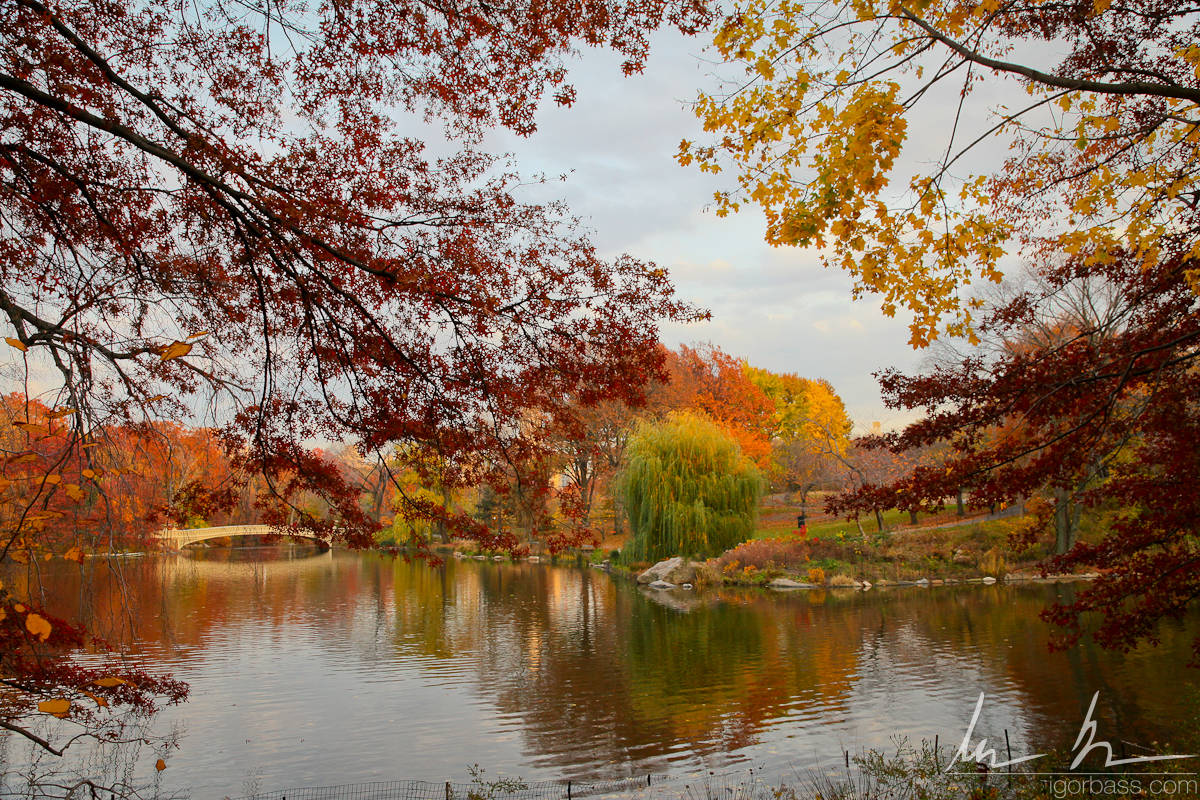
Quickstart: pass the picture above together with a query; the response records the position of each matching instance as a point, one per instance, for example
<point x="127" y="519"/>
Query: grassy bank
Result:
<point x="942" y="548"/>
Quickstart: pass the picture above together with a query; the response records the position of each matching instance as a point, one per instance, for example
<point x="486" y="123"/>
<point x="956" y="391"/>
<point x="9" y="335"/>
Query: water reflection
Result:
<point x="335" y="667"/>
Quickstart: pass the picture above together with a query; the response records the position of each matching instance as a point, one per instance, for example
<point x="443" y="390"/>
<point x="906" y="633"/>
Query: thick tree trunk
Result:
<point x="1066" y="521"/>
<point x="912" y="517"/>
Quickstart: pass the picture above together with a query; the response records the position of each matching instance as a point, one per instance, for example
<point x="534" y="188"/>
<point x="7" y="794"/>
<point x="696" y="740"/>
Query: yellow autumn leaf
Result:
<point x="74" y="492"/>
<point x="110" y="682"/>
<point x="17" y="343"/>
<point x="62" y="412"/>
<point x="175" y="350"/>
<point x="74" y="554"/>
<point x="58" y="707"/>
<point x="100" y="701"/>
<point x="38" y="626"/>
<point x="198" y="335"/>
<point x="89" y="474"/>
<point x="53" y="478"/>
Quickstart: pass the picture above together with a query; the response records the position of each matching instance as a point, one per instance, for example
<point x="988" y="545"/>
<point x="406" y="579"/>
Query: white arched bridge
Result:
<point x="177" y="539"/>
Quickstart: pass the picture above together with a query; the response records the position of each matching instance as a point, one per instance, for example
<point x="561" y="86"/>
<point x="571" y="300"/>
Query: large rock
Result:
<point x="787" y="583"/>
<point x="674" y="570"/>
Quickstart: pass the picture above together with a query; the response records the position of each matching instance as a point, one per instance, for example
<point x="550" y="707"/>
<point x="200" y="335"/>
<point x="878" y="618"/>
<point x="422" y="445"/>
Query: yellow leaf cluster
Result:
<point x="815" y="131"/>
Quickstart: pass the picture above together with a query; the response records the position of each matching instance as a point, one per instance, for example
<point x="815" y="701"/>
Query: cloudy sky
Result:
<point x="776" y="307"/>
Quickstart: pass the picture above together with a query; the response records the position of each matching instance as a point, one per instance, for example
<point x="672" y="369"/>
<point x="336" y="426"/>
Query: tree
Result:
<point x="709" y="380"/>
<point x="1102" y="185"/>
<point x="1104" y="418"/>
<point x="213" y="205"/>
<point x="592" y="447"/>
<point x="811" y="429"/>
<point x="813" y="128"/>
<point x="688" y="489"/>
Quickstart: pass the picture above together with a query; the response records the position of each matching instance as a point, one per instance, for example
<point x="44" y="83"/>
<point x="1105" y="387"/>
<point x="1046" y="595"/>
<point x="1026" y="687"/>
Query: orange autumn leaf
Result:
<point x="100" y="701"/>
<point x="74" y="492"/>
<point x="38" y="626"/>
<point x="160" y="765"/>
<point x="74" y="554"/>
<point x="110" y="682"/>
<point x="58" y="707"/>
<point x="17" y="343"/>
<point x="175" y="350"/>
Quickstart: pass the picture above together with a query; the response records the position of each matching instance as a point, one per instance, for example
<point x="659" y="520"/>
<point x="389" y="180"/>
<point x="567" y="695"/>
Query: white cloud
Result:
<point x="776" y="306"/>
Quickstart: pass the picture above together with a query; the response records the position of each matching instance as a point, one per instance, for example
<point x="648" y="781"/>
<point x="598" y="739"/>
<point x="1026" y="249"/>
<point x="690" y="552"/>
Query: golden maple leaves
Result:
<point x="813" y="132"/>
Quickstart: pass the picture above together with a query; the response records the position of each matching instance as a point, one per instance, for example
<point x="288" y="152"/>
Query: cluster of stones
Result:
<point x="679" y="573"/>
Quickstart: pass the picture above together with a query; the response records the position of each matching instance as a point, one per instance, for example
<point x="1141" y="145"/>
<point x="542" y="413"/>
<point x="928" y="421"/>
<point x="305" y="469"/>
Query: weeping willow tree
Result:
<point x="688" y="489"/>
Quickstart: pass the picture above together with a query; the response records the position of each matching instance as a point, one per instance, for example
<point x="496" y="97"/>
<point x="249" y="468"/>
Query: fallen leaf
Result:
<point x="100" y="701"/>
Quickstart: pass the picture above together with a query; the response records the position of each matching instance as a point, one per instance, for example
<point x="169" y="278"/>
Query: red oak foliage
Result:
<point x="1103" y="415"/>
<point x="215" y="204"/>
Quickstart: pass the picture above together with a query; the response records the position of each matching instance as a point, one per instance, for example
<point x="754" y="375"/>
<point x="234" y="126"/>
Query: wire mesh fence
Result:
<point x="711" y="786"/>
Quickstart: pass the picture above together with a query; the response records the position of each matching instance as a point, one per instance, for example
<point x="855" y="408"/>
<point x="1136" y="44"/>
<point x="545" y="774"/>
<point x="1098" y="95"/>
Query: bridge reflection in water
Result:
<point x="177" y="539"/>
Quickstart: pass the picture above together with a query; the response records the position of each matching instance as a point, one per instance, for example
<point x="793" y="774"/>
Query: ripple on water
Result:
<point x="351" y="668"/>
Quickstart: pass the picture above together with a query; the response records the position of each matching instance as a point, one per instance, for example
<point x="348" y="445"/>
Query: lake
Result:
<point x="330" y="668"/>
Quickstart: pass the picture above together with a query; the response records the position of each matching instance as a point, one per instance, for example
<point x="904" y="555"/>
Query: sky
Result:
<point x="776" y="307"/>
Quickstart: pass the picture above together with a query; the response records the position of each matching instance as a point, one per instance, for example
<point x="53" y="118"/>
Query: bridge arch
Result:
<point x="177" y="538"/>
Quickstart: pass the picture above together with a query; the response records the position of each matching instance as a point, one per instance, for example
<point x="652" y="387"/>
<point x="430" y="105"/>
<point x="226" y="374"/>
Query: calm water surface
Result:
<point x="339" y="668"/>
